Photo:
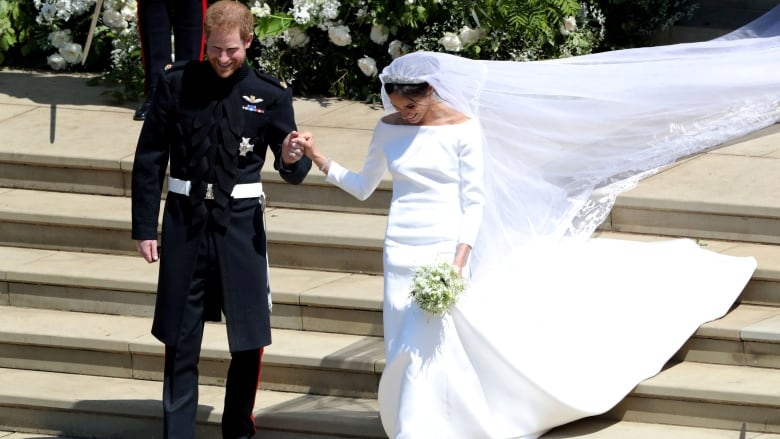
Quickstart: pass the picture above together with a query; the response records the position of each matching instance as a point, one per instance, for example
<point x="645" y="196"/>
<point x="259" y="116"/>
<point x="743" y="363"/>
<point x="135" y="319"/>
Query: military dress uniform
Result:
<point x="214" y="134"/>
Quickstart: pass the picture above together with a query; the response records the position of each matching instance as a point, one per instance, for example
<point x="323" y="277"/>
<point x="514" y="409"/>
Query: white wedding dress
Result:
<point x="553" y="326"/>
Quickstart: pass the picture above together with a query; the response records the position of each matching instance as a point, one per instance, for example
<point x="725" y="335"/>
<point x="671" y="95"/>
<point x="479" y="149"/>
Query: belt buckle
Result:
<point x="209" y="191"/>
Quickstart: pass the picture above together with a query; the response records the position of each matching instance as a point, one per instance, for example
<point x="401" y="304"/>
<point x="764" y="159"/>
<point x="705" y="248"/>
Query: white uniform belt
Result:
<point x="243" y="190"/>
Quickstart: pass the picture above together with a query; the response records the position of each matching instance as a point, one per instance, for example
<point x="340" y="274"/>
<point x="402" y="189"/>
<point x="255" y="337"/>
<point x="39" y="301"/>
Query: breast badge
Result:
<point x="252" y="99"/>
<point x="245" y="147"/>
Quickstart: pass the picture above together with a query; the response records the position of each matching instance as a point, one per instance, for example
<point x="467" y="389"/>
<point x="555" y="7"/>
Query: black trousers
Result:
<point x="180" y="383"/>
<point x="156" y="20"/>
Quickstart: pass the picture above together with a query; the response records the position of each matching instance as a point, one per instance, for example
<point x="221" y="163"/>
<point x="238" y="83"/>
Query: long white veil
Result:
<point x="564" y="137"/>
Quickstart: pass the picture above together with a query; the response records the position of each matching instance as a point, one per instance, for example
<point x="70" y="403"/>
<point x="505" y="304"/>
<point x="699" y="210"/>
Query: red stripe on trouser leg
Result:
<point x="240" y="393"/>
<point x="204" y="6"/>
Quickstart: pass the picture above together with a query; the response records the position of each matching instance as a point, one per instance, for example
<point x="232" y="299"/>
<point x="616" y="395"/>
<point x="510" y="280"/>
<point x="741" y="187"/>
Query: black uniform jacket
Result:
<point x="212" y="130"/>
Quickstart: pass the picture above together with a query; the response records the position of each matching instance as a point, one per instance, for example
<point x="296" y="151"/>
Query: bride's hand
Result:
<point x="458" y="269"/>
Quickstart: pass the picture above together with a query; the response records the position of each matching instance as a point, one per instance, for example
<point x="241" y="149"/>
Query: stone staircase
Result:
<point x="77" y="359"/>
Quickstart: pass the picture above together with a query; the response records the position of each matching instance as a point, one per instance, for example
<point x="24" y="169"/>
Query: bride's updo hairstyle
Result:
<point x="411" y="91"/>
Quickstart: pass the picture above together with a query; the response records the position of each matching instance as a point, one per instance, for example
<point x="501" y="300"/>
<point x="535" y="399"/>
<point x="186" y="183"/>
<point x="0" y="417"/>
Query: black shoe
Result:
<point x="143" y="110"/>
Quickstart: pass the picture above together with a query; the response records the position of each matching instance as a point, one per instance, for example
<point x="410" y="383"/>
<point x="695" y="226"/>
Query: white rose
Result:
<point x="56" y="61"/>
<point x="468" y="35"/>
<point x="71" y="52"/>
<point x="260" y="9"/>
<point x="47" y="14"/>
<point x="451" y="42"/>
<point x="339" y="35"/>
<point x="295" y="37"/>
<point x="59" y="38"/>
<point x="397" y="49"/>
<point x="367" y="66"/>
<point x="114" y="19"/>
<point x="569" y="25"/>
<point x="129" y="12"/>
<point x="379" y="33"/>
<point x="78" y="7"/>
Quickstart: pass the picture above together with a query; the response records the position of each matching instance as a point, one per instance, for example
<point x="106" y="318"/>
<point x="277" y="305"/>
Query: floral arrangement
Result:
<point x="436" y="288"/>
<point x="338" y="47"/>
<point x="351" y="40"/>
<point x="118" y="26"/>
<point x="115" y="40"/>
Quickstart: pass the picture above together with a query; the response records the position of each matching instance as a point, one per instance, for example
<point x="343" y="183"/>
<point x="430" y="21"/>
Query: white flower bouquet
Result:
<point x="436" y="287"/>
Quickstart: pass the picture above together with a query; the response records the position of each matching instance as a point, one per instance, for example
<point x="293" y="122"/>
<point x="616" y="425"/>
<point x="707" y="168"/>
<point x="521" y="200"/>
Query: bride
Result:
<point x="504" y="170"/>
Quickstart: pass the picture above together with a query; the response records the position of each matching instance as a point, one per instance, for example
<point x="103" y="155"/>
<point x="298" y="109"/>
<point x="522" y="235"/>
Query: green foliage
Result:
<point x="479" y="29"/>
<point x="273" y="25"/>
<point x="126" y="78"/>
<point x="337" y="47"/>
<point x="17" y="19"/>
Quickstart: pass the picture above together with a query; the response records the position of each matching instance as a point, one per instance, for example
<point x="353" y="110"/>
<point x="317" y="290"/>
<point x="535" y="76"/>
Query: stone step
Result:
<point x="307" y="300"/>
<point x="749" y="335"/>
<point x="84" y="406"/>
<point x="304" y="299"/>
<point x="687" y="400"/>
<point x="585" y="429"/>
<point x="125" y="284"/>
<point x="352" y="242"/>
<point x="44" y="146"/>
<point x="731" y="193"/>
<point x="706" y="395"/>
<point x="122" y="347"/>
<point x="336" y="241"/>
<point x="600" y="429"/>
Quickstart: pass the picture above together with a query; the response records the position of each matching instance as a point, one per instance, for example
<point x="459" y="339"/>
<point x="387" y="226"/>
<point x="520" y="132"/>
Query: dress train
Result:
<point x="555" y="334"/>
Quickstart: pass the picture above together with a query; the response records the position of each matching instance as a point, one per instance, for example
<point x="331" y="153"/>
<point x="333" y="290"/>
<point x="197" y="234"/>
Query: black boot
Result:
<point x="143" y="109"/>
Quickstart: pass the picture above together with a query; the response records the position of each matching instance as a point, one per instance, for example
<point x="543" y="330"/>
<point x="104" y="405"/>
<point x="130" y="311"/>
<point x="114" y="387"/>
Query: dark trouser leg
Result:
<point x="241" y="388"/>
<point x="154" y="30"/>
<point x="188" y="29"/>
<point x="180" y="383"/>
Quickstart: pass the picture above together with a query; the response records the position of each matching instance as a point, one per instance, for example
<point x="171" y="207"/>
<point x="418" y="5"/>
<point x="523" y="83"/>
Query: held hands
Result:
<point x="294" y="145"/>
<point x="320" y="160"/>
<point x="147" y="248"/>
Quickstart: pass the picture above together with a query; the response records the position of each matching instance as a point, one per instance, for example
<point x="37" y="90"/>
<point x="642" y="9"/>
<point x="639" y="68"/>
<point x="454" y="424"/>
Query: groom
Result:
<point x="214" y="121"/>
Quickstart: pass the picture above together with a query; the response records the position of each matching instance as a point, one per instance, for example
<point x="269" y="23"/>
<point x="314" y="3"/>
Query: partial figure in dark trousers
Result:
<point x="157" y="21"/>
<point x="213" y="121"/>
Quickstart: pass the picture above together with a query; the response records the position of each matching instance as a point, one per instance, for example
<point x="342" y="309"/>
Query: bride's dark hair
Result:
<point x="410" y="91"/>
